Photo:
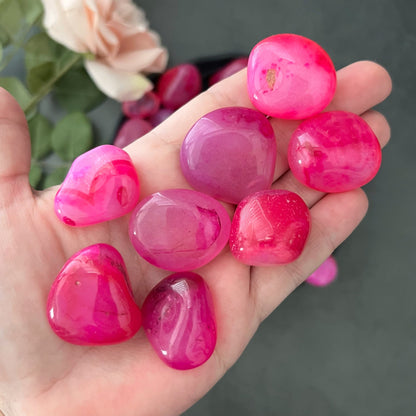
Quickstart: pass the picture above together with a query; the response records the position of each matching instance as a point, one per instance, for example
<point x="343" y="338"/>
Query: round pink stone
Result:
<point x="131" y="130"/>
<point x="90" y="301"/>
<point x="179" y="229"/>
<point x="290" y="76"/>
<point x="325" y="274"/>
<point x="178" y="318"/>
<point x="334" y="152"/>
<point x="101" y="185"/>
<point x="269" y="227"/>
<point x="178" y="85"/>
<point x="145" y="107"/>
<point x="230" y="69"/>
<point x="230" y="153"/>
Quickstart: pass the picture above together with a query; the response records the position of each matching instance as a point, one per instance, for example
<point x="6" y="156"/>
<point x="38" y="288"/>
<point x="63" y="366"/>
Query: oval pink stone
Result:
<point x="269" y="227"/>
<point x="230" y="153"/>
<point x="101" y="185"/>
<point x="146" y="106"/>
<point x="178" y="318"/>
<point x="131" y="130"/>
<point x="334" y="152"/>
<point x="290" y="76"/>
<point x="325" y="274"/>
<point x="90" y="301"/>
<point x="179" y="229"/>
<point x="230" y="69"/>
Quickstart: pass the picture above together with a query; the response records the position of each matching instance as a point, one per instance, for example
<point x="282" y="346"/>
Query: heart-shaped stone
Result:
<point x="101" y="185"/>
<point x="90" y="301"/>
<point x="178" y="318"/>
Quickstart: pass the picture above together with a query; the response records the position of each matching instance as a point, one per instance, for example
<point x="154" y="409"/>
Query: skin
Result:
<point x="42" y="375"/>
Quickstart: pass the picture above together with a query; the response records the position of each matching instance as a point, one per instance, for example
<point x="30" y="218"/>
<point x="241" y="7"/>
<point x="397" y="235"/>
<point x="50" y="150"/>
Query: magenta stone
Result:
<point x="290" y="76"/>
<point x="178" y="318"/>
<point x="178" y="85"/>
<point x="160" y="116"/>
<point x="230" y="69"/>
<point x="269" y="227"/>
<point x="101" y="185"/>
<point x="325" y="274"/>
<point x="131" y="130"/>
<point x="145" y="107"/>
<point x="334" y="152"/>
<point x="230" y="153"/>
<point x="90" y="301"/>
<point x="179" y="229"/>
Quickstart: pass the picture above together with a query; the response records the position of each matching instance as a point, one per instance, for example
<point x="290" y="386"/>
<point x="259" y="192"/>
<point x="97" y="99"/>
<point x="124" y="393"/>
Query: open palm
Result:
<point x="42" y="375"/>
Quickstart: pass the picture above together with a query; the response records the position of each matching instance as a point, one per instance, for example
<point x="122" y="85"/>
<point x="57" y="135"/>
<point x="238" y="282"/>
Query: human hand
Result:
<point x="42" y="375"/>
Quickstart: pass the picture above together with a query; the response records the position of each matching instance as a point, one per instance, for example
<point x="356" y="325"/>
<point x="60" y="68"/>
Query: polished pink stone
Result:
<point x="131" y="130"/>
<point x="101" y="185"/>
<point x="178" y="318"/>
<point x="325" y="274"/>
<point x="145" y="107"/>
<point x="230" y="69"/>
<point x="90" y="301"/>
<point x="160" y="116"/>
<point x="290" y="76"/>
<point x="230" y="153"/>
<point x="269" y="227"/>
<point x="334" y="152"/>
<point x="179" y="229"/>
<point x="178" y="85"/>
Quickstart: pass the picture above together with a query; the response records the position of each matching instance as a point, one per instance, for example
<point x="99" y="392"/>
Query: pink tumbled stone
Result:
<point x="145" y="107"/>
<point x="290" y="76"/>
<point x="179" y="229"/>
<point x="230" y="153"/>
<point x="131" y="130"/>
<point x="178" y="318"/>
<point x="160" y="116"/>
<point x="90" y="301"/>
<point x="325" y="274"/>
<point x="230" y="69"/>
<point x="178" y="85"/>
<point x="334" y="152"/>
<point x="269" y="227"/>
<point x="101" y="185"/>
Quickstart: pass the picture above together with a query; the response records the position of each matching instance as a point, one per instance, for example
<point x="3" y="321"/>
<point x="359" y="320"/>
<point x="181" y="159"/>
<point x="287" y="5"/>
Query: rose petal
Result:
<point x="120" y="85"/>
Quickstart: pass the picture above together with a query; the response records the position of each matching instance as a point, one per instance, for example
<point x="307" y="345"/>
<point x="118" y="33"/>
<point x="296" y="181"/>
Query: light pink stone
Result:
<point x="269" y="227"/>
<point x="334" y="151"/>
<point x="325" y="274"/>
<point x="290" y="76"/>
<point x="178" y="318"/>
<point x="101" y="185"/>
<point x="90" y="301"/>
<point x="179" y="229"/>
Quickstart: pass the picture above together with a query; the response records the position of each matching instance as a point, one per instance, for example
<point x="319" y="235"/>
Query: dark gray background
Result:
<point x="349" y="349"/>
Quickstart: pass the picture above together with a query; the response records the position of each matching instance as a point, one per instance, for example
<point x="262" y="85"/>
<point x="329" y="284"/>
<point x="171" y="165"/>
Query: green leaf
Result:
<point x="17" y="89"/>
<point x="40" y="129"/>
<point x="4" y="37"/>
<point x="76" y="91"/>
<point x="56" y="177"/>
<point x="35" y="175"/>
<point x="11" y="17"/>
<point x="40" y="75"/>
<point x="72" y="136"/>
<point x="39" y="49"/>
<point x="32" y="10"/>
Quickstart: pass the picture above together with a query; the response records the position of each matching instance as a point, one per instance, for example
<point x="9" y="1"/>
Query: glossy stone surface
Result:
<point x="101" y="185"/>
<point x="334" y="152"/>
<point x="290" y="76"/>
<point x="269" y="227"/>
<point x="90" y="301"/>
<point x="325" y="274"/>
<point x="179" y="321"/>
<point x="145" y="107"/>
<point x="179" y="229"/>
<point x="131" y="130"/>
<point x="178" y="85"/>
<point x="230" y="153"/>
<point x="230" y="69"/>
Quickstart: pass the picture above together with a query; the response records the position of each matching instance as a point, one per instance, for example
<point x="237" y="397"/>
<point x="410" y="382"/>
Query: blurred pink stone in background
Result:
<point x="325" y="274"/>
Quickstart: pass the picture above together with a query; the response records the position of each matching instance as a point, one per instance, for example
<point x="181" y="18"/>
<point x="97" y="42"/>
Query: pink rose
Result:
<point x="115" y="34"/>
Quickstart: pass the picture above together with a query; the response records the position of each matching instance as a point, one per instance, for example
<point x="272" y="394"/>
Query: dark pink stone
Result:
<point x="101" y="185"/>
<point x="145" y="107"/>
<point x="269" y="227"/>
<point x="325" y="274"/>
<point x="90" y="301"/>
<point x="230" y="69"/>
<point x="131" y="130"/>
<point x="290" y="76"/>
<point x="179" y="229"/>
<point x="178" y="85"/>
<point x="160" y="116"/>
<point x="178" y="318"/>
<point x="230" y="153"/>
<point x="334" y="152"/>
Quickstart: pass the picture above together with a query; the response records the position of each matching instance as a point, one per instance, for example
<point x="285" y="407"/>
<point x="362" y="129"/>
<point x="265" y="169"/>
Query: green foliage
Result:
<point x="40" y="129"/>
<point x="35" y="174"/>
<point x="56" y="177"/>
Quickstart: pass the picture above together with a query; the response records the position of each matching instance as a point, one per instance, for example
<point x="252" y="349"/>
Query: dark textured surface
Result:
<point x="349" y="349"/>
